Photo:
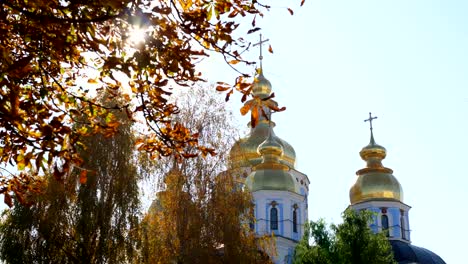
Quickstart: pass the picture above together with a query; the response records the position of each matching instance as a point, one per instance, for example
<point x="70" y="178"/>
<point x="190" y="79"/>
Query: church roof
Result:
<point x="405" y="253"/>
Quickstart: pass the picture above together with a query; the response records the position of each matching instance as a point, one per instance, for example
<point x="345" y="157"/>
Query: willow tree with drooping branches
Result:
<point x="200" y="213"/>
<point x="55" y="55"/>
<point x="91" y="217"/>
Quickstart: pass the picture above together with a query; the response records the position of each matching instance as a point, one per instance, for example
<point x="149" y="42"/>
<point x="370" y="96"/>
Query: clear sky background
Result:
<point x="406" y="61"/>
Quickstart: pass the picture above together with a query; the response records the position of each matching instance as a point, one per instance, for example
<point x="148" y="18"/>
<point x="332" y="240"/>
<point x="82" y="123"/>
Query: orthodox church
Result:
<point x="265" y="164"/>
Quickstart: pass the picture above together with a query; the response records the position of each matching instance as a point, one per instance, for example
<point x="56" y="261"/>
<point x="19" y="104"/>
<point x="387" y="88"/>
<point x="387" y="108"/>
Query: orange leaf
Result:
<point x="83" y="176"/>
<point x="302" y="2"/>
<point x="245" y="109"/>
<point x="270" y="49"/>
<point x="290" y="11"/>
<point x="233" y="62"/>
<point x="220" y="88"/>
<point x="254" y="117"/>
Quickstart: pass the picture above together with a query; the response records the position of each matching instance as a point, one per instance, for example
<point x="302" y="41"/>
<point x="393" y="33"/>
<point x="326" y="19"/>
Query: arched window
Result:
<point x="385" y="224"/>
<point x="402" y="225"/>
<point x="295" y="220"/>
<point x="273" y="218"/>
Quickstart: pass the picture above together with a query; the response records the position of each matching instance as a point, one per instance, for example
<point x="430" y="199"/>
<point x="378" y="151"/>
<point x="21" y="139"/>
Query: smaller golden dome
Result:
<point x="271" y="174"/>
<point x="270" y="148"/>
<point x="375" y="182"/>
<point x="261" y="86"/>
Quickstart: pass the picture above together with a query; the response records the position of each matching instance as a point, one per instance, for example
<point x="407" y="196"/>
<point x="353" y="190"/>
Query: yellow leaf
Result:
<point x="92" y="81"/>
<point x="20" y="162"/>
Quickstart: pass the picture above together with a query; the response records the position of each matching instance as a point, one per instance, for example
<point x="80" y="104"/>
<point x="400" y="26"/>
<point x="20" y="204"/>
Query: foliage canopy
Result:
<point x="54" y="56"/>
<point x="351" y="242"/>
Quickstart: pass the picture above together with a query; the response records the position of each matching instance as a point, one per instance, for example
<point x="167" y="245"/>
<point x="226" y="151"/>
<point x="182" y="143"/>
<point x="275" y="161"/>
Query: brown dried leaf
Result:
<point x="83" y="176"/>
<point x="253" y="30"/>
<point x="8" y="199"/>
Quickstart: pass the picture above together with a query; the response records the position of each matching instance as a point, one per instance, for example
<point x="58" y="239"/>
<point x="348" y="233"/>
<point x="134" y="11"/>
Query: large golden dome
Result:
<point x="244" y="152"/>
<point x="375" y="182"/>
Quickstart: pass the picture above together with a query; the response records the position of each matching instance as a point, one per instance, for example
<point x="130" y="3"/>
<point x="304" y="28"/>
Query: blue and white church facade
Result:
<point x="265" y="164"/>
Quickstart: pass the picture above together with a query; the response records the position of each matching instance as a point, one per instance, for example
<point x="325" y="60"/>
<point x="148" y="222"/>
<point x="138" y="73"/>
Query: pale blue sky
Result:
<point x="406" y="61"/>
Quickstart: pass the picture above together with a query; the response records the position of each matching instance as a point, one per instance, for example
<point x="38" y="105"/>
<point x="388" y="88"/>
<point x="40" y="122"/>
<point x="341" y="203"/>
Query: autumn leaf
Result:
<point x="270" y="49"/>
<point x="7" y="199"/>
<point x="220" y="88"/>
<point x="290" y="11"/>
<point x="302" y="2"/>
<point x="233" y="62"/>
<point x="229" y="94"/>
<point x="83" y="176"/>
<point x="246" y="108"/>
<point x="254" y="117"/>
<point x="253" y="30"/>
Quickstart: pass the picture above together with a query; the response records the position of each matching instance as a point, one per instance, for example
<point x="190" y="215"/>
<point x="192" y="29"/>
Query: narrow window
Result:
<point x="385" y="224"/>
<point x="402" y="226"/>
<point x="273" y="218"/>
<point x="295" y="221"/>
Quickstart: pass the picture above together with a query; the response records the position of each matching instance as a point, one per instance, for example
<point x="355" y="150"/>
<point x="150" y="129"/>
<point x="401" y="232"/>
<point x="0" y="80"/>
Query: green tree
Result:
<point x="92" y="217"/>
<point x="55" y="55"/>
<point x="351" y="242"/>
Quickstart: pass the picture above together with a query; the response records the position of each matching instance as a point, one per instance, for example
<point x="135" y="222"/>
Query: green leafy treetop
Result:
<point x="351" y="242"/>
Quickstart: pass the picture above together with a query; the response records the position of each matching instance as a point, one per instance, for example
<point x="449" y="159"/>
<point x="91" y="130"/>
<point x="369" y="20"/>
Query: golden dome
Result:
<point x="261" y="87"/>
<point x="375" y="182"/>
<point x="244" y="152"/>
<point x="271" y="174"/>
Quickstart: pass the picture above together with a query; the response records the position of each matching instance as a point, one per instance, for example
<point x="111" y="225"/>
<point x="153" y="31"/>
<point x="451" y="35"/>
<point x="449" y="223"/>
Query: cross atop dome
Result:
<point x="260" y="44"/>
<point x="370" y="120"/>
<point x="371" y="128"/>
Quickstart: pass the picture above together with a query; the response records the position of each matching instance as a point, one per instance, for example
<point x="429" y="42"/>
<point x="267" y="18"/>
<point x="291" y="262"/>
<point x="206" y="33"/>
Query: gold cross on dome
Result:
<point x="370" y="120"/>
<point x="260" y="43"/>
